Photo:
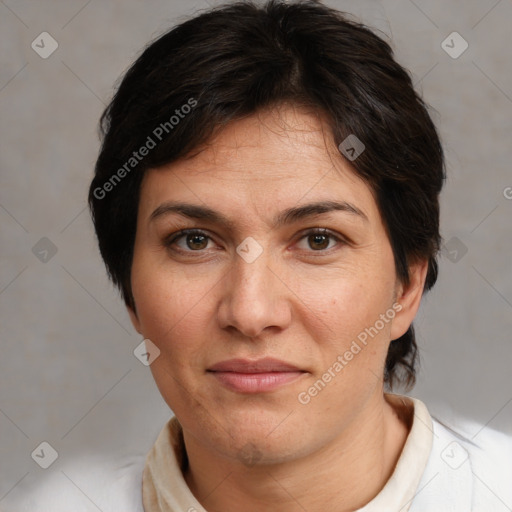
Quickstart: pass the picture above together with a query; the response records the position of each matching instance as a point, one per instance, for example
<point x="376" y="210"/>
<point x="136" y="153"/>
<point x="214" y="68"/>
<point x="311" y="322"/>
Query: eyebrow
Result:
<point x="288" y="216"/>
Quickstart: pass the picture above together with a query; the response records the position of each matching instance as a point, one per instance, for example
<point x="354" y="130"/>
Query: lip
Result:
<point x="265" y="365"/>
<point x="246" y="376"/>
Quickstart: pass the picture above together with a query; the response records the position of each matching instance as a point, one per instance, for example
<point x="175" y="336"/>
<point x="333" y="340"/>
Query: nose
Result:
<point x="254" y="297"/>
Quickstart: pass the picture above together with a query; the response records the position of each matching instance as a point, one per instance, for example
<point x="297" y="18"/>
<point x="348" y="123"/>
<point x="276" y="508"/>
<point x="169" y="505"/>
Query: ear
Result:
<point x="409" y="298"/>
<point x="134" y="319"/>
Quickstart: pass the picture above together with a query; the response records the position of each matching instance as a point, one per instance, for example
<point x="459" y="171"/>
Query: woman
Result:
<point x="266" y="200"/>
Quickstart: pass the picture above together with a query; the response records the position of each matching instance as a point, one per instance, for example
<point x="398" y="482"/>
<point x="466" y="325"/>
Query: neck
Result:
<point x="342" y="476"/>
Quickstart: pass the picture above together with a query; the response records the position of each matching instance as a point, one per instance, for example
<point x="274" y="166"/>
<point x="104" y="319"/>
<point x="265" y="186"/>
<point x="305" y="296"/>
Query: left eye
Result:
<point x="318" y="239"/>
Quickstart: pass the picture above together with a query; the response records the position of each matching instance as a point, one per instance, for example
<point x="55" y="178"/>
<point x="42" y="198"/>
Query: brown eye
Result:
<point x="319" y="240"/>
<point x="195" y="240"/>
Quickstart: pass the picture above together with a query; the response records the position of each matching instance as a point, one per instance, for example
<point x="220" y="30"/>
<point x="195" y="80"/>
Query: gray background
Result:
<point x="67" y="372"/>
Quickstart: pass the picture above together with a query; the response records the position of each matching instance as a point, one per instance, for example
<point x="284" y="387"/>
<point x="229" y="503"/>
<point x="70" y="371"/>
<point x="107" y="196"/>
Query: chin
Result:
<point x="269" y="441"/>
<point x="262" y="452"/>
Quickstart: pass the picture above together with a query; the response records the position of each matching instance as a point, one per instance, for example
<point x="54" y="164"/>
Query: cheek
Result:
<point x="351" y="340"/>
<point x="343" y="303"/>
<point x="171" y="311"/>
<point x="170" y="303"/>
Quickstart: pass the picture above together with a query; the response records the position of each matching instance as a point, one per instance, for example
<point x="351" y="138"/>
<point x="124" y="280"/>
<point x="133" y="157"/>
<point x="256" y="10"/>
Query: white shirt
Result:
<point x="439" y="470"/>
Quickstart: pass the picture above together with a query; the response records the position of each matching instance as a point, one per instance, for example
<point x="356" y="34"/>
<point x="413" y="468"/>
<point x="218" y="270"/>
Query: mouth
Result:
<point x="262" y="375"/>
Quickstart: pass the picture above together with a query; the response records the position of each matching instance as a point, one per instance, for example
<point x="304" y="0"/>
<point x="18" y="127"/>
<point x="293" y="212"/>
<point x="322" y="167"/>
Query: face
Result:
<point x="264" y="276"/>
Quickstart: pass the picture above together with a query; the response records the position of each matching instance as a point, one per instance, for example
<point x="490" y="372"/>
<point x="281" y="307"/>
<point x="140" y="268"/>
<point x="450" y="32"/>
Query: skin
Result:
<point x="302" y="301"/>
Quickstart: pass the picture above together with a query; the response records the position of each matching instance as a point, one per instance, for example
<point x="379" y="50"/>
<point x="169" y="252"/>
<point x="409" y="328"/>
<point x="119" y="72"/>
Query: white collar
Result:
<point x="400" y="490"/>
<point x="448" y="477"/>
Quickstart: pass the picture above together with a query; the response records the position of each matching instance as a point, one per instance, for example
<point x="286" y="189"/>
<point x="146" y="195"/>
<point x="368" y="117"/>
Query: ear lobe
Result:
<point x="409" y="298"/>
<point x="134" y="319"/>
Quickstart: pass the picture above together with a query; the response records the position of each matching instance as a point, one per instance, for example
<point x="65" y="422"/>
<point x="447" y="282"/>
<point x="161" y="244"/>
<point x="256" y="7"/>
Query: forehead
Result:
<point x="270" y="160"/>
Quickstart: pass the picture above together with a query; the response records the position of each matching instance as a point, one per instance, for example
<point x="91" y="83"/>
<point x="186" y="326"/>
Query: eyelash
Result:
<point x="170" y="240"/>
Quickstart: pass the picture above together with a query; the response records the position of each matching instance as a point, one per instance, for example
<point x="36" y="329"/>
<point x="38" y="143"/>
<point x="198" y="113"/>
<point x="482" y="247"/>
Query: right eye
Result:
<point x="195" y="240"/>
